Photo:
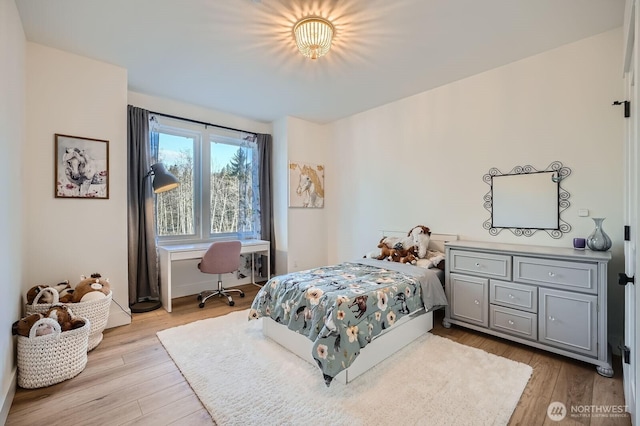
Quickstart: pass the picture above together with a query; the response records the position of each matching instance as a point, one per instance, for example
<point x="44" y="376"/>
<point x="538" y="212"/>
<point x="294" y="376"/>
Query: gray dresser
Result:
<point x="547" y="297"/>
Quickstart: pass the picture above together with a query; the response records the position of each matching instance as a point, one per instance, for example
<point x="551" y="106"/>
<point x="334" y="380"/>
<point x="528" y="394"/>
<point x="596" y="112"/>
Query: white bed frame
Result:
<point x="380" y="348"/>
<point x="404" y="331"/>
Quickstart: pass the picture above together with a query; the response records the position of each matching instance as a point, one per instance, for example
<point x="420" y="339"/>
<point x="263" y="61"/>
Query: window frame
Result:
<point x="203" y="137"/>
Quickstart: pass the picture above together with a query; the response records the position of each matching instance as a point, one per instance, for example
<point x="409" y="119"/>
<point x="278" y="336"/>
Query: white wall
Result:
<point x="12" y="138"/>
<point x="307" y="227"/>
<point x="280" y="170"/>
<point x="194" y="112"/>
<point x="420" y="160"/>
<point x="66" y="238"/>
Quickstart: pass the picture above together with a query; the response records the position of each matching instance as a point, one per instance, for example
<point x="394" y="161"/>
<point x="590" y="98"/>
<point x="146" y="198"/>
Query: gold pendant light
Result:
<point x="313" y="36"/>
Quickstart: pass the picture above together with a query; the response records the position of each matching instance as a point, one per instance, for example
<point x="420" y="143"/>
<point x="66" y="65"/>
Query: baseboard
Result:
<point x="8" y="397"/>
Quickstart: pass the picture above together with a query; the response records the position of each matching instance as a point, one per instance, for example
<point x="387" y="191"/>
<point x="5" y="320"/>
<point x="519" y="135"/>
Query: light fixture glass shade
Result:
<point x="313" y="36"/>
<point x="162" y="179"/>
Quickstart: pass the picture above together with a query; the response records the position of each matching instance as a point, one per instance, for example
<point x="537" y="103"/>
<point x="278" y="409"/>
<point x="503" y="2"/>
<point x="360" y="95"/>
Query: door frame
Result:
<point x="630" y="208"/>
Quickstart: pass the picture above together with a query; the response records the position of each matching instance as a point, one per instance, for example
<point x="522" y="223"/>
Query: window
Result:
<point x="218" y="171"/>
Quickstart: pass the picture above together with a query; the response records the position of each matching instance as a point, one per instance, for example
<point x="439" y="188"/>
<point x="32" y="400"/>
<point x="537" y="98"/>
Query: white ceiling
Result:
<point x="238" y="56"/>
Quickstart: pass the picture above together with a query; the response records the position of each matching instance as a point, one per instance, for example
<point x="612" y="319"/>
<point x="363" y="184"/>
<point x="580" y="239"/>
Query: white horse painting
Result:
<point x="306" y="183"/>
<point x="80" y="175"/>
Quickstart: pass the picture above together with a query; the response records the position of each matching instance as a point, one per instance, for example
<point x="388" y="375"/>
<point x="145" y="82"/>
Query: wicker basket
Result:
<point x="96" y="311"/>
<point x="53" y="358"/>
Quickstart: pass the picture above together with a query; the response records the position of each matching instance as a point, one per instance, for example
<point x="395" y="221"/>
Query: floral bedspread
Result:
<point x="341" y="308"/>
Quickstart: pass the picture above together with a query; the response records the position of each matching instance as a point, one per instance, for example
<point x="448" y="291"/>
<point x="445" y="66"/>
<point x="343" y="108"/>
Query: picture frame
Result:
<point x="306" y="185"/>
<point x="81" y="167"/>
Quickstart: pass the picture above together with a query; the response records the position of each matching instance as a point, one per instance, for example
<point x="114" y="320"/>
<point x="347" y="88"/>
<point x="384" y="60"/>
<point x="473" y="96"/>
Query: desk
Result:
<point x="169" y="253"/>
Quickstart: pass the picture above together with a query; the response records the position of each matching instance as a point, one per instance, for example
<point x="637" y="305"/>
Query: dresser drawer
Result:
<point x="483" y="264"/>
<point x="518" y="296"/>
<point x="512" y="321"/>
<point x="556" y="273"/>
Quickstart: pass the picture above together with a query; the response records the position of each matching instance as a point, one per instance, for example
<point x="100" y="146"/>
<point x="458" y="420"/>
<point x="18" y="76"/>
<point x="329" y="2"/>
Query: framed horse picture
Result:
<point x="306" y="185"/>
<point x="81" y="167"/>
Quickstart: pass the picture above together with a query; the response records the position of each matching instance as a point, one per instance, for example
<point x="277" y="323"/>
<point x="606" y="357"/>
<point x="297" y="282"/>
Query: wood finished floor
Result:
<point x="130" y="378"/>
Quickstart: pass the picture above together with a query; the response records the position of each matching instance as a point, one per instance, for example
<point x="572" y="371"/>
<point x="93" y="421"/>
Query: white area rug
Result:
<point x="243" y="378"/>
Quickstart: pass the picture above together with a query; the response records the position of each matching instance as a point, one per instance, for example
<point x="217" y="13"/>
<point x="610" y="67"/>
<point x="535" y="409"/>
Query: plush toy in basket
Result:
<point x="52" y="347"/>
<point x="90" y="298"/>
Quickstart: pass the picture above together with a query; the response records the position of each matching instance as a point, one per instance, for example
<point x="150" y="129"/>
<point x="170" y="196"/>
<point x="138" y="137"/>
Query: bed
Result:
<point x="346" y="318"/>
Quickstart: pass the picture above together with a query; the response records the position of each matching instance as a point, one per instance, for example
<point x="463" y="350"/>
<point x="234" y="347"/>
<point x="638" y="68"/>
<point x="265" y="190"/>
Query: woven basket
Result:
<point x="96" y="311"/>
<point x="53" y="358"/>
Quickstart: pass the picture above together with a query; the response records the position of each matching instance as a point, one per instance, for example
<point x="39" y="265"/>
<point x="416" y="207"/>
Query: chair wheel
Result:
<point x="201" y="305"/>
<point x="241" y="294"/>
<point x="199" y="297"/>
<point x="231" y="303"/>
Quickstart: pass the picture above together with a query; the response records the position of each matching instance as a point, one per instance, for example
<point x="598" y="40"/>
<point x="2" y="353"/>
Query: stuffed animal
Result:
<point x="420" y="236"/>
<point x="410" y="258"/>
<point x="92" y="288"/>
<point x="66" y="295"/>
<point x="23" y="326"/>
<point x="385" y="251"/>
<point x="46" y="297"/>
<point x="404" y="256"/>
<point x="65" y="317"/>
<point x="59" y="313"/>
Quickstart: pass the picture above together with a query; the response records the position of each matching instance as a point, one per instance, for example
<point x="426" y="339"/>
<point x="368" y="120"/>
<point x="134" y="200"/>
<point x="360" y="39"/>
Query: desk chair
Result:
<point x="222" y="257"/>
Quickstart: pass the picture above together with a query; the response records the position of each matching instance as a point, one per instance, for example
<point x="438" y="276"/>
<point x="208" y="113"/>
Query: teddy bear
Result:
<point x="46" y="297"/>
<point x="59" y="313"/>
<point x="92" y="288"/>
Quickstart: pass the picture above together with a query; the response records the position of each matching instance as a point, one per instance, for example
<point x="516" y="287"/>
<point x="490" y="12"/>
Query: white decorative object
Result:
<point x="52" y="358"/>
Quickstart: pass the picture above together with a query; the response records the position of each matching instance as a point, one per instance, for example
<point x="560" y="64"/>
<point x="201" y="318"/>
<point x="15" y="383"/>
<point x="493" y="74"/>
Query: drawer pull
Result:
<point x="551" y="274"/>
<point x="551" y="318"/>
<point x="511" y="322"/>
<point x="476" y="302"/>
<point x="511" y="296"/>
<point x="477" y="264"/>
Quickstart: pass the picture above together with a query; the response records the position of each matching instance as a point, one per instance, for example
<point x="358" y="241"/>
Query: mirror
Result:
<point x="527" y="200"/>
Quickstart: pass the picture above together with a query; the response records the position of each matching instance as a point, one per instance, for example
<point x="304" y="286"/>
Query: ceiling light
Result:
<point x="313" y="36"/>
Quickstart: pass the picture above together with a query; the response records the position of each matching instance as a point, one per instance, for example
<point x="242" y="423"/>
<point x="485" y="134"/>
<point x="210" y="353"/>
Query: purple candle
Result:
<point x="579" y="243"/>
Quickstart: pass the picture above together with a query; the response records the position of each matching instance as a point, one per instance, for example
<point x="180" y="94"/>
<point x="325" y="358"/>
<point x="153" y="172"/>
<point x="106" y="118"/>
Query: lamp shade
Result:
<point x="313" y="36"/>
<point x="162" y="179"/>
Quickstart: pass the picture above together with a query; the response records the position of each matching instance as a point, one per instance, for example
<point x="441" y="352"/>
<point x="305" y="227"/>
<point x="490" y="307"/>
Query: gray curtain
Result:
<point x="143" y="256"/>
<point x="266" y="195"/>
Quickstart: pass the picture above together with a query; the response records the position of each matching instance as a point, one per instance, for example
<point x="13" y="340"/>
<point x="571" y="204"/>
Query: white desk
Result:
<point x="169" y="253"/>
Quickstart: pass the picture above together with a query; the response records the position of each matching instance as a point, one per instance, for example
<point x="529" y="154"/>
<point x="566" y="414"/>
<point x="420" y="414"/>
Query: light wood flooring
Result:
<point x="130" y="378"/>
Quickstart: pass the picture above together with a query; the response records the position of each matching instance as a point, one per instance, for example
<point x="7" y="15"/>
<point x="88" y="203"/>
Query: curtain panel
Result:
<point x="265" y="148"/>
<point x="142" y="251"/>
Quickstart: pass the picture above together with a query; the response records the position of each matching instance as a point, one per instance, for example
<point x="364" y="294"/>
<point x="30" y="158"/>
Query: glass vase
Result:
<point x="598" y="240"/>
